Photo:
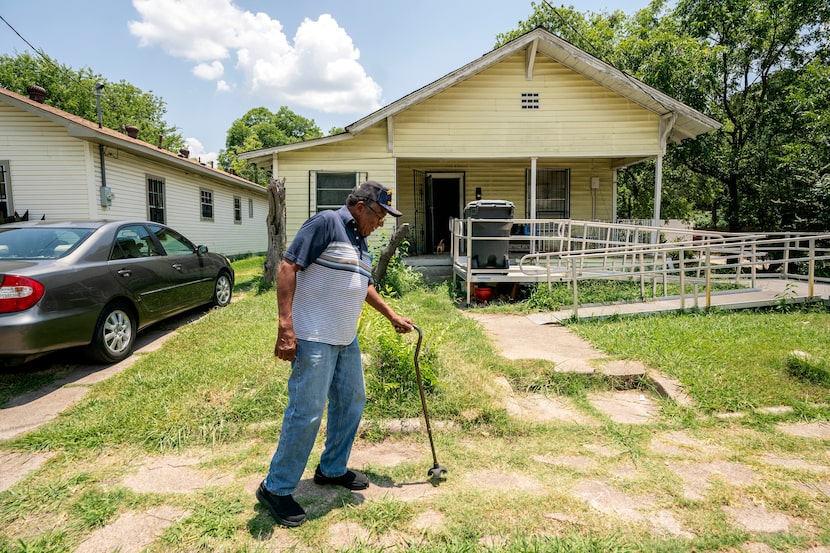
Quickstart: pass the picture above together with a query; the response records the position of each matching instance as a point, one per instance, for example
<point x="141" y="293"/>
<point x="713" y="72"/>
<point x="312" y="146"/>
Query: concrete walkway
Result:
<point x="519" y="337"/>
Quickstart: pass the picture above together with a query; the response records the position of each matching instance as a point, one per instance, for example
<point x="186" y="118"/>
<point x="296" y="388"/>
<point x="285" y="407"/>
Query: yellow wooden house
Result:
<point x="536" y="122"/>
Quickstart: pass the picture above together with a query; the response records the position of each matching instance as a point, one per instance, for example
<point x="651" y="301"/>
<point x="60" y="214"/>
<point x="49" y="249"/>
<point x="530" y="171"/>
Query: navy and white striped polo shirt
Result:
<point x="335" y="277"/>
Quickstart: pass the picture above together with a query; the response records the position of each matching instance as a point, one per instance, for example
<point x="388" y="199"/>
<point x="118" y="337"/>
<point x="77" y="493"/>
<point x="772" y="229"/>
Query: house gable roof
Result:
<point x="688" y="122"/>
<point x="83" y="129"/>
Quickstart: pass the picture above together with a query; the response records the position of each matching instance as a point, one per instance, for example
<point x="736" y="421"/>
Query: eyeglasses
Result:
<point x="380" y="216"/>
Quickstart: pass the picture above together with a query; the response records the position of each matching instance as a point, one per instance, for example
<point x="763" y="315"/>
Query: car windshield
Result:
<point x="40" y="243"/>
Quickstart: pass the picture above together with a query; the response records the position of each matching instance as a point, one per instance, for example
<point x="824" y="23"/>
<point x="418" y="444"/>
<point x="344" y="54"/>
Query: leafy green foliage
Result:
<point x="391" y="379"/>
<point x="73" y="91"/>
<point x="400" y="278"/>
<point x="261" y="128"/>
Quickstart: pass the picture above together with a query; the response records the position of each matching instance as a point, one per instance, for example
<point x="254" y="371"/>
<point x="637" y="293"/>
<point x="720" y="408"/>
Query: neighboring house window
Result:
<point x="237" y="210"/>
<point x="553" y="193"/>
<point x="155" y="199"/>
<point x="206" y="204"/>
<point x="6" y="208"/>
<point x="334" y="188"/>
<point x="250" y="208"/>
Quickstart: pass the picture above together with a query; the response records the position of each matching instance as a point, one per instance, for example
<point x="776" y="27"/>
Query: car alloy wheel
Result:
<point x="222" y="290"/>
<point x="117" y="332"/>
<point x="115" y="335"/>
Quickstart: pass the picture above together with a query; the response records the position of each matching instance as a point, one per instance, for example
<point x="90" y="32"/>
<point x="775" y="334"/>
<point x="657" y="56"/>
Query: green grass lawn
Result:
<point x="217" y="387"/>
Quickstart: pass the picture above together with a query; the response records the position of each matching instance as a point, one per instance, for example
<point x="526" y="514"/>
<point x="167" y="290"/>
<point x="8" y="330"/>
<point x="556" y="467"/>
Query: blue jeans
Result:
<point x="318" y="372"/>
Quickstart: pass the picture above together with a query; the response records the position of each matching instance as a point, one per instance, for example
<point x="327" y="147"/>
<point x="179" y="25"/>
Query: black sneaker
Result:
<point x="352" y="480"/>
<point x="283" y="508"/>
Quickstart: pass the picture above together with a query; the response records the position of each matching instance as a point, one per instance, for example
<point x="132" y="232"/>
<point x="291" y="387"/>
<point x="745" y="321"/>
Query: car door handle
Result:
<point x="125" y="272"/>
<point x="177" y="266"/>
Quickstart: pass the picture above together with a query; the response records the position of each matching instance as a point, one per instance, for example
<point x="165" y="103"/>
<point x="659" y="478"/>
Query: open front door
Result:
<point x="443" y="195"/>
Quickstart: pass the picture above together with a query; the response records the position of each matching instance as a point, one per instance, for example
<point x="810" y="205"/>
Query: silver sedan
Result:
<point x="96" y="284"/>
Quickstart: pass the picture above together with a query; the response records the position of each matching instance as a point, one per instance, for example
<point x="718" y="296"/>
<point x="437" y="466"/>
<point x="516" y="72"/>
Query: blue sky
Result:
<point x="211" y="61"/>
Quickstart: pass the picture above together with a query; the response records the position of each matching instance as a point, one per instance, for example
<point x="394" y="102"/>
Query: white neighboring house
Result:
<point x="50" y="167"/>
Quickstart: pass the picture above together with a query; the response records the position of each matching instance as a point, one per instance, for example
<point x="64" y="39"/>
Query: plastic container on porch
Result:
<point x="490" y="254"/>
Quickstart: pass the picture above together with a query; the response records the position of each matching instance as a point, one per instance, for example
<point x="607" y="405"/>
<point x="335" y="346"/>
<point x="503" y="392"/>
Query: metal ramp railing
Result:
<point x="564" y="250"/>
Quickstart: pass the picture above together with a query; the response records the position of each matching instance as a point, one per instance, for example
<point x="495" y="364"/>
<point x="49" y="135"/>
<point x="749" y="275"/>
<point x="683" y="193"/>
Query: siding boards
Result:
<point x="59" y="176"/>
<point x="126" y="176"/>
<point x="482" y="117"/>
<point x="46" y="166"/>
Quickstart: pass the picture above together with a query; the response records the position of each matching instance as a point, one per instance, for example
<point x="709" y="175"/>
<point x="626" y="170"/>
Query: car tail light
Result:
<point x="18" y="293"/>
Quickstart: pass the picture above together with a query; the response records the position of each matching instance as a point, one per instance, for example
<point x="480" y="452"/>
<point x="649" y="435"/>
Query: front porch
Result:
<point x="527" y="251"/>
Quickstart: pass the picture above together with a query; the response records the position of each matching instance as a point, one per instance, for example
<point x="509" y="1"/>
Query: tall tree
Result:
<point x="261" y="128"/>
<point x="122" y="104"/>
<point x="759" y="67"/>
<point x="748" y="47"/>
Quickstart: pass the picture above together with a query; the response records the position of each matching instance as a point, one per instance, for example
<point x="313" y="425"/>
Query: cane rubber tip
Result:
<point x="437" y="472"/>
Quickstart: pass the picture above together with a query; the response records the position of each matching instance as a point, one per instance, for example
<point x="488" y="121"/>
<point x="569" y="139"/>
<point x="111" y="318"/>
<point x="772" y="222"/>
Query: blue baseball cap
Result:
<point x="376" y="192"/>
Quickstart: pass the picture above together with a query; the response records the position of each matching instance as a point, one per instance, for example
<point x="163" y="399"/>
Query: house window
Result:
<point x="155" y="199"/>
<point x="530" y="100"/>
<point x="206" y="201"/>
<point x="6" y="208"/>
<point x="250" y="208"/>
<point x="553" y="193"/>
<point x="237" y="210"/>
<point x="334" y="188"/>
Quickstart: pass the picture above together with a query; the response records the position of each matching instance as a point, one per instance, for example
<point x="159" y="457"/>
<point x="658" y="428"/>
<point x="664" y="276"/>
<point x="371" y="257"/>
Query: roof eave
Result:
<point x="255" y="156"/>
<point x="111" y="138"/>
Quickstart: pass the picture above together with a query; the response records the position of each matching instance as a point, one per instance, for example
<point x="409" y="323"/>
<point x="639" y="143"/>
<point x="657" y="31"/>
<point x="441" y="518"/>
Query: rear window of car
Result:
<point x="40" y="243"/>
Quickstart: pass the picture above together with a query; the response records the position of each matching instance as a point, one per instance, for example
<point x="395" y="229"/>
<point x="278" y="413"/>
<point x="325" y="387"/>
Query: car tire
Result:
<point x="222" y="290"/>
<point x="115" y="334"/>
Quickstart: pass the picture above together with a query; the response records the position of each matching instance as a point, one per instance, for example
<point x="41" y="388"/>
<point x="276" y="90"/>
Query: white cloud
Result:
<point x="320" y="70"/>
<point x="209" y="72"/>
<point x="197" y="150"/>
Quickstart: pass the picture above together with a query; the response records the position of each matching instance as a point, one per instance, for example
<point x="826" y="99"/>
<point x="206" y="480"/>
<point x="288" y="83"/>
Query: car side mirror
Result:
<point x="201" y="250"/>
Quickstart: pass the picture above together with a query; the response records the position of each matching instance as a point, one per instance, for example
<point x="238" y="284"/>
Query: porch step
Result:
<point x="435" y="268"/>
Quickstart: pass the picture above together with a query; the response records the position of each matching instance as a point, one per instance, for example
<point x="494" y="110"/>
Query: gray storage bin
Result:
<point x="490" y="254"/>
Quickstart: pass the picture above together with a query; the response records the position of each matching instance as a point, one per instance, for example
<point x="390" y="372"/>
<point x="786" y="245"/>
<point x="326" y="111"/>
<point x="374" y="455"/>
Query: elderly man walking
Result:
<point x="323" y="281"/>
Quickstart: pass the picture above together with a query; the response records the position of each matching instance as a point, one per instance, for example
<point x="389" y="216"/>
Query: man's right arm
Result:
<point x="286" y="346"/>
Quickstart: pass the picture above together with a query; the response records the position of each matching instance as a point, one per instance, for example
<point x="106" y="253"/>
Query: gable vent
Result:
<point x="530" y="100"/>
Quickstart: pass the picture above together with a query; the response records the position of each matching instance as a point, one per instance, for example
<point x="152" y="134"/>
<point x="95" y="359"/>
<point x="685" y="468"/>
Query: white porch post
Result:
<point x="658" y="189"/>
<point x="614" y="195"/>
<point x="666" y="125"/>
<point x="532" y="214"/>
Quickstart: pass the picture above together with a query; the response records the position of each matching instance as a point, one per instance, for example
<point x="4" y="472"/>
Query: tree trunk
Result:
<point x="733" y="216"/>
<point x="386" y="255"/>
<point x="276" y="228"/>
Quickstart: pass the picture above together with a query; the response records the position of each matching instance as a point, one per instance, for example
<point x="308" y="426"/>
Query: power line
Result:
<point x="35" y="50"/>
<point x="594" y="50"/>
<point x="46" y="58"/>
